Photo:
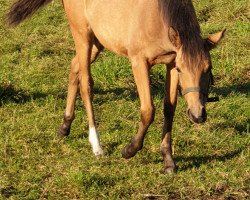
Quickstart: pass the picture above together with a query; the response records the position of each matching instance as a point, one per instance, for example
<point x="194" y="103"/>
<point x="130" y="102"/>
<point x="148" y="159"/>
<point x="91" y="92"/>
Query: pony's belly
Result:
<point x="110" y="21"/>
<point x="114" y="44"/>
<point x="127" y="27"/>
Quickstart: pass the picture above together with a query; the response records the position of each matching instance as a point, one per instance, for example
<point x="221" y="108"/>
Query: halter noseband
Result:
<point x="200" y="90"/>
<point x="192" y="89"/>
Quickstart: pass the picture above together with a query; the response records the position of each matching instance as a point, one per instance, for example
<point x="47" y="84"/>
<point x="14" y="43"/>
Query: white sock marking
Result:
<point x="94" y="140"/>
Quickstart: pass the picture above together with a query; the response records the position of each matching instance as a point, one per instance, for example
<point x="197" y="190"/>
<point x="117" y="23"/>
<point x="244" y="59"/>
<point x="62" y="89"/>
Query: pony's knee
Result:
<point x="147" y="115"/>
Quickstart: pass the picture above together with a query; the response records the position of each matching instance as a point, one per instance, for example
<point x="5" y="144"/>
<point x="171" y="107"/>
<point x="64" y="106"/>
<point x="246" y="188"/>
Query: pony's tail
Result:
<point x="22" y="9"/>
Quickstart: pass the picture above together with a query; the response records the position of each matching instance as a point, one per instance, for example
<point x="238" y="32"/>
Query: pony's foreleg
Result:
<point x="69" y="116"/>
<point x="170" y="101"/>
<point x="141" y="76"/>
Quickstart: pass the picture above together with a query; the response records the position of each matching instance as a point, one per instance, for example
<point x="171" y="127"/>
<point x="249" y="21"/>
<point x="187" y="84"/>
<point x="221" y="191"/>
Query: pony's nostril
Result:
<point x="197" y="118"/>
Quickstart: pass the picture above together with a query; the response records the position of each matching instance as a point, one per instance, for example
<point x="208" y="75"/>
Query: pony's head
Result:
<point x="194" y="70"/>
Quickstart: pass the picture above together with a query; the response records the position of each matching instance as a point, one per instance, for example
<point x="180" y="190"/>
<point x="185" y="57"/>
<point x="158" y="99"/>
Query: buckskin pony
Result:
<point x="147" y="32"/>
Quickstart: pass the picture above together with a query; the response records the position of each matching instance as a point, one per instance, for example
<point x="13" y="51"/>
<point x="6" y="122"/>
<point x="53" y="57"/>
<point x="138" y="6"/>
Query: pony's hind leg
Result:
<point x="69" y="116"/>
<point x="86" y="91"/>
<point x="84" y="40"/>
<point x="96" y="50"/>
<point x="170" y="101"/>
<point x="141" y="76"/>
<point x="94" y="138"/>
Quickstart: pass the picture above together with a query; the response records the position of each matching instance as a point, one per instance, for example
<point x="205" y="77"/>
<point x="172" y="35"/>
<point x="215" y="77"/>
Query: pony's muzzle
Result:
<point x="197" y="117"/>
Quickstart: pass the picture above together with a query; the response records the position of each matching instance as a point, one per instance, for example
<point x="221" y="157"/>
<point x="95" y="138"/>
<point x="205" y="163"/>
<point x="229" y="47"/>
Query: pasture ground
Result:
<point x="213" y="158"/>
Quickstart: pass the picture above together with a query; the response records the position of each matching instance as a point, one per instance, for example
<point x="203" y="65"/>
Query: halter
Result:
<point x="192" y="89"/>
<point x="200" y="90"/>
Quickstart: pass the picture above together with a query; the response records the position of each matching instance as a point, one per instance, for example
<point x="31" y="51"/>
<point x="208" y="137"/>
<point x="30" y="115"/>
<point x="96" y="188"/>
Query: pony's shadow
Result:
<point x="241" y="128"/>
<point x="130" y="92"/>
<point x="111" y="147"/>
<point x="243" y="88"/>
<point x="196" y="161"/>
<point x="157" y="88"/>
<point x="8" y="93"/>
<point x="185" y="163"/>
<point x="114" y="94"/>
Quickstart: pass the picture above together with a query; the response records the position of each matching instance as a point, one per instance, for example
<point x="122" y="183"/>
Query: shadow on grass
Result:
<point x="114" y="94"/>
<point x="240" y="127"/>
<point x="196" y="161"/>
<point x="7" y="192"/>
<point x="111" y="147"/>
<point x="243" y="88"/>
<point x="8" y="93"/>
<point x="128" y="93"/>
<point x="157" y="88"/>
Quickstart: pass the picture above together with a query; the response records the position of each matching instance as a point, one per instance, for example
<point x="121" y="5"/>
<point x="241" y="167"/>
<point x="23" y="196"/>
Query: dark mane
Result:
<point x="180" y="15"/>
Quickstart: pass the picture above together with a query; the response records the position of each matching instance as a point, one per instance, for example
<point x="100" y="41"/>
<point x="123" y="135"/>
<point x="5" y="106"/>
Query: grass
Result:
<point x="213" y="159"/>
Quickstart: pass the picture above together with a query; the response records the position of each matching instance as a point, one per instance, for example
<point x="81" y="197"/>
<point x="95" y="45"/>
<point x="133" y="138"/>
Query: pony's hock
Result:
<point x="147" y="33"/>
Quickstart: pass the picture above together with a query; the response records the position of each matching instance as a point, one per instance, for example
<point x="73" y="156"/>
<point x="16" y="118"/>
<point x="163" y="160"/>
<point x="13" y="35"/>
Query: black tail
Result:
<point x="22" y="9"/>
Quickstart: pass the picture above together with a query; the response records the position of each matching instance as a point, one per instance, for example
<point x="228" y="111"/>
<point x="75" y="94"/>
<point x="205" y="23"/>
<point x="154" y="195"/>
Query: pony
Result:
<point x="147" y="32"/>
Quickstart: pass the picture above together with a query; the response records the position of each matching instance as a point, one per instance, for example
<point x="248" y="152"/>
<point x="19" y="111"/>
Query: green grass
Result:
<point x="213" y="158"/>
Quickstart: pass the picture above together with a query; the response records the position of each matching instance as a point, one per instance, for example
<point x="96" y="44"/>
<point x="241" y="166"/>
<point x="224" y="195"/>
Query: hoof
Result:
<point x="98" y="152"/>
<point x="170" y="170"/>
<point x="129" y="152"/>
<point x="64" y="129"/>
<point x="63" y="132"/>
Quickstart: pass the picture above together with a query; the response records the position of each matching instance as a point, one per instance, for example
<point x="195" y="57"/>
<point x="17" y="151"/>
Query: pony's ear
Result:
<point x="174" y="37"/>
<point x="214" y="39"/>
